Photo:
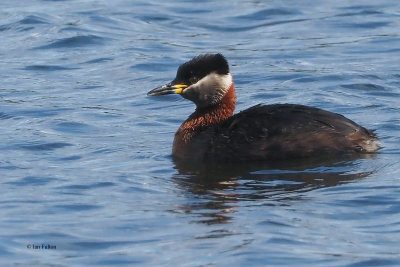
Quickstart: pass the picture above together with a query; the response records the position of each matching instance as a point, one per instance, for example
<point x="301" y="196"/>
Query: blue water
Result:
<point x="85" y="161"/>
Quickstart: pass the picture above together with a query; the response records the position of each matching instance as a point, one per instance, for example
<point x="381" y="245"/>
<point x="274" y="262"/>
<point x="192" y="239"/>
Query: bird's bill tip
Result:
<point x="167" y="89"/>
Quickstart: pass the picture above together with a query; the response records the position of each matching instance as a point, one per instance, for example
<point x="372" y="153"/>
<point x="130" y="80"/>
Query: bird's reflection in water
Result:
<point x="218" y="188"/>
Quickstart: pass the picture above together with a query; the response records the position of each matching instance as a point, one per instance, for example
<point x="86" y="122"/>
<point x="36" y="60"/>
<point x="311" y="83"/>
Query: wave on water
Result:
<point x="76" y="41"/>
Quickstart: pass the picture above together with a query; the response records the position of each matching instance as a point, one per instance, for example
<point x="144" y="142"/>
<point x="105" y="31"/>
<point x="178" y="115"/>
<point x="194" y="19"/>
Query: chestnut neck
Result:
<point x="204" y="117"/>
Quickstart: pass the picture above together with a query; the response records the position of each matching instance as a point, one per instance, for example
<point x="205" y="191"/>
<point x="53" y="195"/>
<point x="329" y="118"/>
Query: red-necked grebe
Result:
<point x="262" y="132"/>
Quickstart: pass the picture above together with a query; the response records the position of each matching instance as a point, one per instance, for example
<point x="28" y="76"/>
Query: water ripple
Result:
<point x="98" y="60"/>
<point x="33" y="19"/>
<point x="72" y="127"/>
<point x="5" y="116"/>
<point x="367" y="25"/>
<point x="47" y="68"/>
<point x="227" y="28"/>
<point x="363" y="12"/>
<point x="87" y="187"/>
<point x="363" y="86"/>
<point x="76" y="207"/>
<point x="38" y="146"/>
<point x="266" y="13"/>
<point x="33" y="181"/>
<point x="74" y="42"/>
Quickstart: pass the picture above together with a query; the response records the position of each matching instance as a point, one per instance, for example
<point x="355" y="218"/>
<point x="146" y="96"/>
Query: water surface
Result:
<point x="85" y="160"/>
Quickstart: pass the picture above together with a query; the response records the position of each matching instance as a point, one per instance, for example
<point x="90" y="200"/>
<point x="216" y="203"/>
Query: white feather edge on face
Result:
<point x="209" y="90"/>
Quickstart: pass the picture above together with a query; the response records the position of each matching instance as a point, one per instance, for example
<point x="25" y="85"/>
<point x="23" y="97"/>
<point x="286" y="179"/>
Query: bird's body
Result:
<point x="270" y="132"/>
<point x="260" y="133"/>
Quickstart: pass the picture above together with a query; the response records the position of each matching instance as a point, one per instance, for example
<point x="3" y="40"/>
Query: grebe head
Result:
<point x="204" y="80"/>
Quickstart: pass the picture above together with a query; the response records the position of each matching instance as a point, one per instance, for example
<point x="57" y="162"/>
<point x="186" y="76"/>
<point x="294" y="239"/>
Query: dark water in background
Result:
<point x="85" y="156"/>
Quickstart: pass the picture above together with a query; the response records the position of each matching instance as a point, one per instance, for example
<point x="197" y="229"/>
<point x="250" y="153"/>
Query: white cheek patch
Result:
<point x="226" y="82"/>
<point x="214" y="81"/>
<point x="210" y="89"/>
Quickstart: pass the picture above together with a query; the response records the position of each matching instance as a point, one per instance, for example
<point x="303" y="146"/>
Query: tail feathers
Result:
<point x="369" y="143"/>
<point x="364" y="141"/>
